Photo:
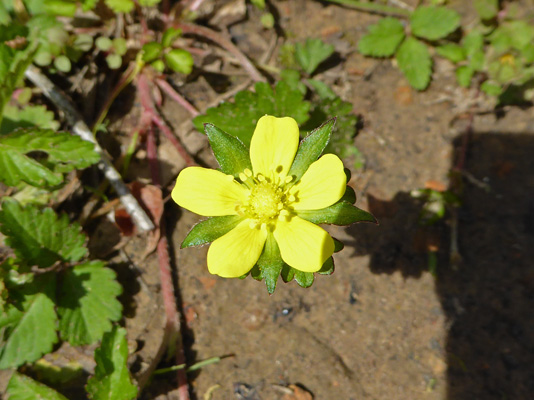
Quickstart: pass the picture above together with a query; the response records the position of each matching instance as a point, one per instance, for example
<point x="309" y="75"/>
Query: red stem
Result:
<point x="167" y="88"/>
<point x="223" y="42"/>
<point x="148" y="106"/>
<point x="172" y="324"/>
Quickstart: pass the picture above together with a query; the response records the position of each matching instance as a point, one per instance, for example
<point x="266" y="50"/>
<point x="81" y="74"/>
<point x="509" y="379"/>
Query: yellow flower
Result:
<point x="268" y="202"/>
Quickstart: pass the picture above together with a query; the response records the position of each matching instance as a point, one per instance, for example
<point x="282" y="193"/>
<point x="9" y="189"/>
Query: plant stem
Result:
<point x="126" y="78"/>
<point x="374" y="7"/>
<point x="193" y="367"/>
<point x="223" y="42"/>
<point x="167" y="88"/>
<point x="146" y="101"/>
<point x="80" y="128"/>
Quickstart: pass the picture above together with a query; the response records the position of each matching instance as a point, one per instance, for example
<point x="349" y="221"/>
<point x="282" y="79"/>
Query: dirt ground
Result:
<point x="382" y="326"/>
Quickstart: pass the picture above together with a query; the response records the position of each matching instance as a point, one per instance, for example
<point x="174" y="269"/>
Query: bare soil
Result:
<point x="382" y="326"/>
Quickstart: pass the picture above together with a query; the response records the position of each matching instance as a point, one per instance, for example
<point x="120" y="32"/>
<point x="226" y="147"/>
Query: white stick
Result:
<point x="80" y="128"/>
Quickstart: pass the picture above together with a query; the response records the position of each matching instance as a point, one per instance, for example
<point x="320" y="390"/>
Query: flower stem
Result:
<point x="374" y="7"/>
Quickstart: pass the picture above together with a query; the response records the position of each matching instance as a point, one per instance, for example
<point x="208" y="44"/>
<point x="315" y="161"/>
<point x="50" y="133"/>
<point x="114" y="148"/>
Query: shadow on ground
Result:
<point x="488" y="297"/>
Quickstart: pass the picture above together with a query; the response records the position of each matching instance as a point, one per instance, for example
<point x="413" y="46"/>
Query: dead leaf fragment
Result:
<point x="298" y="393"/>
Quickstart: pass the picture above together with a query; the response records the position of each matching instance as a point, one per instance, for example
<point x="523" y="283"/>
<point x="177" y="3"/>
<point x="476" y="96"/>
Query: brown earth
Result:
<point x="382" y="326"/>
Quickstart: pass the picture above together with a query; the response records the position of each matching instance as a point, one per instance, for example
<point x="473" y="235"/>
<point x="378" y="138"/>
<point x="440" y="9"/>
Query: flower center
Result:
<point x="265" y="201"/>
<point x="268" y="199"/>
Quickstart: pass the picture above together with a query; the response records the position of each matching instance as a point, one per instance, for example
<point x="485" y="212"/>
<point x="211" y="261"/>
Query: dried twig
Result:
<point x="223" y="42"/>
<point x="80" y="128"/>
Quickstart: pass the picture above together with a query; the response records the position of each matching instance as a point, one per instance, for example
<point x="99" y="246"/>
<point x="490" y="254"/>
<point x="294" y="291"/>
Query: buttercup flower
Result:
<point x="266" y="201"/>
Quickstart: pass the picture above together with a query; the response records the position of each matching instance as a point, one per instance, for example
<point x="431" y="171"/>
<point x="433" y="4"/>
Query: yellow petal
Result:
<point x="274" y="145"/>
<point x="235" y="253"/>
<point x="208" y="192"/>
<point x="303" y="245"/>
<point x="321" y="185"/>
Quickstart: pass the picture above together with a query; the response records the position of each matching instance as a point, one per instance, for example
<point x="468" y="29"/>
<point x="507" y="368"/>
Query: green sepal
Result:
<point x="287" y="273"/>
<point x="210" y="229"/>
<point x="304" y="279"/>
<point x="269" y="265"/>
<point x="338" y="246"/>
<point x="328" y="266"/>
<point x="341" y="213"/>
<point x="310" y="149"/>
<point x="349" y="196"/>
<point x="179" y="60"/>
<point x="230" y="152"/>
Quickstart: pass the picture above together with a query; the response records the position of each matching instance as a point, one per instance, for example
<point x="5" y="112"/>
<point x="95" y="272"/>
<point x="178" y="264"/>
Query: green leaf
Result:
<point x="292" y="78"/>
<point x="452" y="52"/>
<point x="310" y="148"/>
<point x="88" y="303"/>
<point x="240" y="117"/>
<point x="83" y="42"/>
<point x="210" y="229"/>
<point x="64" y="8"/>
<point x="120" y="46"/>
<point x="41" y="237"/>
<point x="149" y="3"/>
<point x="230" y="152"/>
<point x="349" y="196"/>
<point x="119" y="6"/>
<point x="27" y="117"/>
<point x="322" y="89"/>
<point x="114" y="61"/>
<point x="62" y="63"/>
<point x="151" y="51"/>
<point x="512" y="34"/>
<point x="415" y="62"/>
<point x="464" y="74"/>
<point x="259" y="3"/>
<point x="65" y="152"/>
<point x="22" y="387"/>
<point x="112" y="379"/>
<point x="179" y="60"/>
<point x="491" y="88"/>
<point x="434" y="23"/>
<point x="341" y="213"/>
<point x="29" y="330"/>
<point x="383" y="38"/>
<point x="312" y="53"/>
<point x="267" y="20"/>
<point x="487" y="9"/>
<point x="169" y="36"/>
<point x="104" y="43"/>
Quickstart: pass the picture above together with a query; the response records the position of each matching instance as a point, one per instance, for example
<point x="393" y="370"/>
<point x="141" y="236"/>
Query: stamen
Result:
<point x="243" y="177"/>
<point x="252" y="224"/>
<point x="248" y="172"/>
<point x="260" y="177"/>
<point x="292" y="198"/>
<point x="230" y="178"/>
<point x="288" y="179"/>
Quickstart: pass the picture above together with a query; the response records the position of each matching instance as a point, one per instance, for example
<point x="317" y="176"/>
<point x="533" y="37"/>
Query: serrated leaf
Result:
<point x="312" y="53"/>
<point x="27" y="117"/>
<point x="292" y="78"/>
<point x="512" y="34"/>
<point x="434" y="23"/>
<point x="41" y="237"/>
<point x="179" y="60"/>
<point x="415" y="62"/>
<point x="112" y="379"/>
<point x="230" y="152"/>
<point x="118" y="6"/>
<point x="240" y="117"/>
<point x="210" y="229"/>
<point x="22" y="387"/>
<point x="310" y="148"/>
<point x="383" y="38"/>
<point x="89" y="4"/>
<point x="491" y="88"/>
<point x="87" y="303"/>
<point x="487" y="9"/>
<point x="151" y="51"/>
<point x="322" y="89"/>
<point x="464" y="74"/>
<point x="64" y="8"/>
<point x="65" y="152"/>
<point x="452" y="52"/>
<point x="341" y="213"/>
<point x="30" y="330"/>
